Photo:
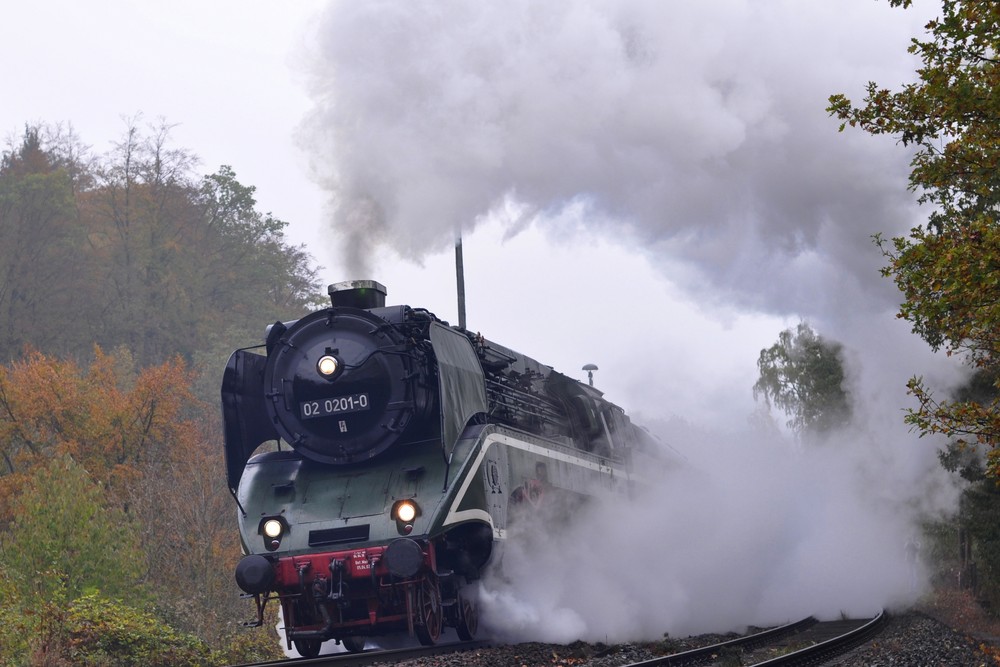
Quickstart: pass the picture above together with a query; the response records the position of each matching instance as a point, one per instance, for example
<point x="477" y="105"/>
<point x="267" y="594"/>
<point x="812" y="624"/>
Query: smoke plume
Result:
<point x="694" y="136"/>
<point x="695" y="129"/>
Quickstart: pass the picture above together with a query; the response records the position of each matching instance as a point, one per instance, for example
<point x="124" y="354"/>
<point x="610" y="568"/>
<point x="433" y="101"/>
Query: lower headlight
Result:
<point x="406" y="511"/>
<point x="272" y="528"/>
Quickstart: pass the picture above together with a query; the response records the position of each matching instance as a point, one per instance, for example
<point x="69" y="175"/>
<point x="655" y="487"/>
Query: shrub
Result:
<point x="108" y="633"/>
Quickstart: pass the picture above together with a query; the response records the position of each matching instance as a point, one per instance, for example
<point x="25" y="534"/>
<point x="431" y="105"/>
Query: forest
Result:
<point x="125" y="281"/>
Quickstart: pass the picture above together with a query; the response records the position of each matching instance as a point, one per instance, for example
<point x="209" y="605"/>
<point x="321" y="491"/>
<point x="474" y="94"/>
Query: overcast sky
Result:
<point x="653" y="187"/>
<point x="650" y="186"/>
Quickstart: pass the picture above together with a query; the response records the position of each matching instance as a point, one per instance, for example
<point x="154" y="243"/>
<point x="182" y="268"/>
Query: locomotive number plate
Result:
<point x="334" y="406"/>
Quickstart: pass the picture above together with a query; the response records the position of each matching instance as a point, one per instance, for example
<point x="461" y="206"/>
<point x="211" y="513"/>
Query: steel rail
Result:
<point x="812" y="655"/>
<point x="749" y="642"/>
<point x="820" y="653"/>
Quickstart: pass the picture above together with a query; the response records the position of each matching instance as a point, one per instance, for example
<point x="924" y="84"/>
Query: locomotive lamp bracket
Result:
<point x="414" y="473"/>
<point x="284" y="488"/>
<point x="260" y="601"/>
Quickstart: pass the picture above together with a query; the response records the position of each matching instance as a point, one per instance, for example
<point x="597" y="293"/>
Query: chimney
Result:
<point x="357" y="294"/>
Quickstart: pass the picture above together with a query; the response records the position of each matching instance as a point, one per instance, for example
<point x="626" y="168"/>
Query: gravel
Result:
<point x="910" y="640"/>
<point x="917" y="640"/>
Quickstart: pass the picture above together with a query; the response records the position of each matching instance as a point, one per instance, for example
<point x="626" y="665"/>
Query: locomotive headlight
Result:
<point x="327" y="365"/>
<point x="405" y="511"/>
<point x="272" y="528"/>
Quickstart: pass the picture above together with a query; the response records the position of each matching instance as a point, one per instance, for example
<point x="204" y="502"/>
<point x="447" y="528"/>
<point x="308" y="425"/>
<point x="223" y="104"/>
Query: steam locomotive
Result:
<point x="398" y="452"/>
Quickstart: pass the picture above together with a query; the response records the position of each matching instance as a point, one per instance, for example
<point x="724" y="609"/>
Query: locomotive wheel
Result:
<point x="468" y="619"/>
<point x="308" y="648"/>
<point x="428" y="627"/>
<point x="353" y="644"/>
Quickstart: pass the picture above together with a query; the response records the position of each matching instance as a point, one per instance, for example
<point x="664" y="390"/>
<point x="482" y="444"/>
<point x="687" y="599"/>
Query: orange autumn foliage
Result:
<point x="112" y="421"/>
<point x="149" y="442"/>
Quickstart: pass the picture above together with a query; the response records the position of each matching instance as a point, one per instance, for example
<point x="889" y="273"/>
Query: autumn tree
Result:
<point x="803" y="375"/>
<point x="125" y="426"/>
<point x="949" y="268"/>
<point x="134" y="248"/>
<point x="165" y="268"/>
<point x="249" y="254"/>
<point x="40" y="247"/>
<point x="137" y="444"/>
<point x="139" y="214"/>
<point x="111" y="418"/>
<point x="186" y="256"/>
<point x="188" y="529"/>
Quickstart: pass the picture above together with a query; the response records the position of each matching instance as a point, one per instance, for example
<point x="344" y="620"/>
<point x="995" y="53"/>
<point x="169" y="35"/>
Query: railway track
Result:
<point x="805" y="642"/>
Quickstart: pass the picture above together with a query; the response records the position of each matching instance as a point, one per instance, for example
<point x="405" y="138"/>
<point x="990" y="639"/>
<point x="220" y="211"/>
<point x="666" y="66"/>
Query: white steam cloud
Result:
<point x="753" y="531"/>
<point x="694" y="134"/>
<point x="696" y="128"/>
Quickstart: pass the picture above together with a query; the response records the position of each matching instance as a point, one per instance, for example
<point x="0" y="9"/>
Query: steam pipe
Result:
<point x="460" y="278"/>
